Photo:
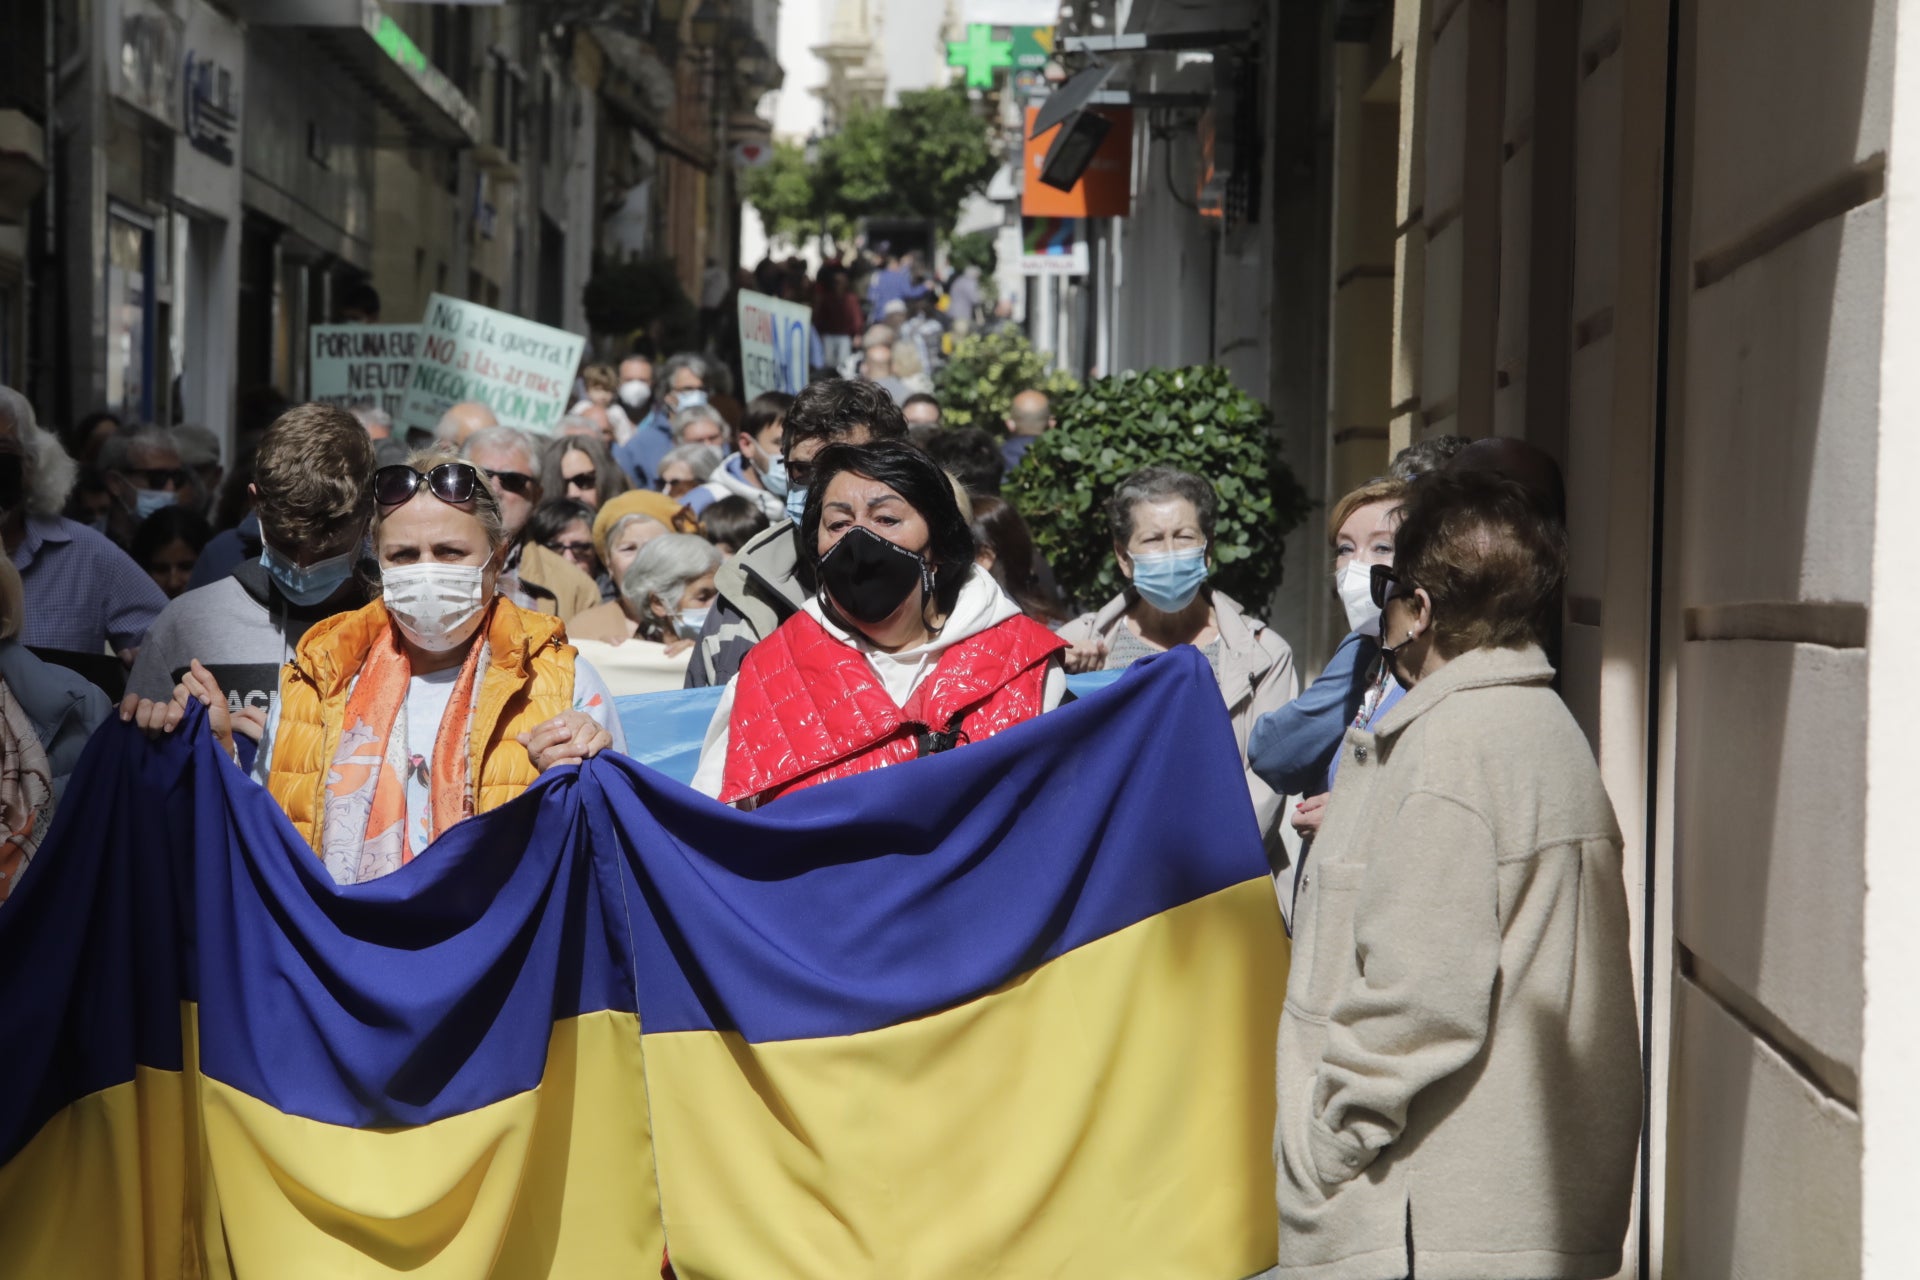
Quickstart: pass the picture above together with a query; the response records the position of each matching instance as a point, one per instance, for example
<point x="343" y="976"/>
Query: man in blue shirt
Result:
<point x="1028" y="419"/>
<point x="684" y="379"/>
<point x="889" y="284"/>
<point x="84" y="594"/>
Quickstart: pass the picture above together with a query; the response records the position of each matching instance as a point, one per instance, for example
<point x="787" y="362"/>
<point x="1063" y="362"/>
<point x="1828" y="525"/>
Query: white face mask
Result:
<point x="634" y="394"/>
<point x="1355" y="585"/>
<point x="437" y="606"/>
<point x="688" y="622"/>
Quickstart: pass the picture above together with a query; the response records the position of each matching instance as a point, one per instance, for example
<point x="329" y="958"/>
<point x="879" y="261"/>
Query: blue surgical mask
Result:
<point x="148" y="501"/>
<point x="774" y="476"/>
<point x="796" y="504"/>
<point x="312" y="584"/>
<point x="692" y="398"/>
<point x="1169" y="580"/>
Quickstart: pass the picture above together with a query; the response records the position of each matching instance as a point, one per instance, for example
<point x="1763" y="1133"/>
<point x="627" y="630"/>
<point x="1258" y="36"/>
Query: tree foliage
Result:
<point x="782" y="191"/>
<point x="920" y="159"/>
<point x="1192" y="418"/>
<point x="977" y="386"/>
<point x="975" y="249"/>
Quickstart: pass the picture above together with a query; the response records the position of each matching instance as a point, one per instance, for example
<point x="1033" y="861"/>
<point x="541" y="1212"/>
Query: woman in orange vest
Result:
<point x="907" y="648"/>
<point x="439" y="700"/>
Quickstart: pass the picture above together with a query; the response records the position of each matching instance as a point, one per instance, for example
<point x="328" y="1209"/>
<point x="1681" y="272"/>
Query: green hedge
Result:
<point x="1192" y="418"/>
<point x="987" y="370"/>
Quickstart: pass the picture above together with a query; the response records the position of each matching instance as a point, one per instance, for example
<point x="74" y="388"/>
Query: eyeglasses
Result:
<point x="1380" y="581"/>
<point x="159" y="477"/>
<point x="517" y="483"/>
<point x="677" y="488"/>
<point x="572" y="550"/>
<point x="451" y="482"/>
<point x="585" y="480"/>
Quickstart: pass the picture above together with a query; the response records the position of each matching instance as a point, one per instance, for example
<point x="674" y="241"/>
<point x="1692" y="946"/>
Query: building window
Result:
<point x="450" y="43"/>
<point x="506" y="107"/>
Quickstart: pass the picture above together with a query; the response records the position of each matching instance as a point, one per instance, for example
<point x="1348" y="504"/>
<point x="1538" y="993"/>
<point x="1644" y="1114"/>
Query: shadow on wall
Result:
<point x="1778" y="232"/>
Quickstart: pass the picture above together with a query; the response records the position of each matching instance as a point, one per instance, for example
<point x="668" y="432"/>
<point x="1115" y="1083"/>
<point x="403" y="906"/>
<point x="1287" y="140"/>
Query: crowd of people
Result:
<point x="391" y="635"/>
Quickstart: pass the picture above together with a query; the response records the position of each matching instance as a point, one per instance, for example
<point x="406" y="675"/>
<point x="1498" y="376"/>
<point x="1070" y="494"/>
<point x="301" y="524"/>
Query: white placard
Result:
<point x="357" y="364"/>
<point x="776" y="344"/>
<point x="521" y="370"/>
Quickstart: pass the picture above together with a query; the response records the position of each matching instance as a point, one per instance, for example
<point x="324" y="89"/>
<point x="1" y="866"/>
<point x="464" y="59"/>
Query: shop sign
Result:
<point x="521" y="370"/>
<point x="1105" y="190"/>
<point x="776" y="344"/>
<point x="980" y="55"/>
<point x="1052" y="247"/>
<point x="352" y="365"/>
<point x="210" y="106"/>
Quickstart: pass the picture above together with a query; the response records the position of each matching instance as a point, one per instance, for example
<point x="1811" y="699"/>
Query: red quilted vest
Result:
<point x="808" y="708"/>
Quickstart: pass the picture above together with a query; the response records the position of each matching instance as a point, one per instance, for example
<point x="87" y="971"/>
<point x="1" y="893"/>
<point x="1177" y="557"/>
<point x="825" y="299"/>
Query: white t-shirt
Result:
<point x="426" y="707"/>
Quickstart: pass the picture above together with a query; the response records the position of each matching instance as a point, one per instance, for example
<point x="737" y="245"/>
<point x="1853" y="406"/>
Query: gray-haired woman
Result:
<point x="1162" y="523"/>
<point x="686" y="467"/>
<point x="668" y="588"/>
<point x="700" y="424"/>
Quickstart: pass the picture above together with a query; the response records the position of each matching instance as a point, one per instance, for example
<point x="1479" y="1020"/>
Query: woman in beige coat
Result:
<point x="1459" y="1069"/>
<point x="1162" y="522"/>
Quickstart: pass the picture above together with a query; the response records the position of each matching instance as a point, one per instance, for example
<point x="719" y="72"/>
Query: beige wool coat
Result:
<point x="1459" y="1059"/>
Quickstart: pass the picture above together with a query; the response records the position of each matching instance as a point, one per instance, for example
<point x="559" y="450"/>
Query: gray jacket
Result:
<point x="64" y="707"/>
<point x="760" y="587"/>
<point x="240" y="628"/>
<point x="1459" y="1060"/>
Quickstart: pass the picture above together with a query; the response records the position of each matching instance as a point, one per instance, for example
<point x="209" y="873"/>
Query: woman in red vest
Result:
<point x="907" y="648"/>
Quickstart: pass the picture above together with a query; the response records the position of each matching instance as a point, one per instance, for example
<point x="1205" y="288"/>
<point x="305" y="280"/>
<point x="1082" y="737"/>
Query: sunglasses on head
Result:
<point x="1381" y="581"/>
<point x="451" y="482"/>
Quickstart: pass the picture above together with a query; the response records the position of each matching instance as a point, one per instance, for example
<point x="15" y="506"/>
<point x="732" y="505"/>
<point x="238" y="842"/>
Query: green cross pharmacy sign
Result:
<point x="987" y="49"/>
<point x="980" y="54"/>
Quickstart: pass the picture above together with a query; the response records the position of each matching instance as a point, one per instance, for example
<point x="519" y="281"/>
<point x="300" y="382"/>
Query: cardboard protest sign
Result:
<point x="361" y="364"/>
<point x="776" y="344"/>
<point x="521" y="370"/>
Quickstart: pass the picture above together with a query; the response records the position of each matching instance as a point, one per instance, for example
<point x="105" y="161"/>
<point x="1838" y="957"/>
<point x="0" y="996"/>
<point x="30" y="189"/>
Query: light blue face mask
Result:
<point x="312" y="584"/>
<point x="796" y="504"/>
<point x="775" y="477"/>
<point x="691" y="398"/>
<point x="1169" y="580"/>
<point x="148" y="501"/>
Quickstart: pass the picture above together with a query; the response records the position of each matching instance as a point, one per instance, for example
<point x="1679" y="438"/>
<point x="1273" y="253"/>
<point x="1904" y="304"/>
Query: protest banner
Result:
<point x="776" y="344"/>
<point x="351" y="365"/>
<point x="521" y="370"/>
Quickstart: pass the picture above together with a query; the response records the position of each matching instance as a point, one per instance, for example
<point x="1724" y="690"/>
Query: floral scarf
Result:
<point x="26" y="792"/>
<point x="363" y="833"/>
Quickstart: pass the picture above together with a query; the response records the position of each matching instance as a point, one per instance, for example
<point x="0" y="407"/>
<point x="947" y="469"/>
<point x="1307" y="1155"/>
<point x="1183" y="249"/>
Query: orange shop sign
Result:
<point x="1105" y="190"/>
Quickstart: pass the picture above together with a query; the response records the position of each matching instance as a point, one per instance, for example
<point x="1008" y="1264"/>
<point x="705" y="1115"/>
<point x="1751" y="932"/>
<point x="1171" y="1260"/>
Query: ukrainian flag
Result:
<point x="1006" y="1012"/>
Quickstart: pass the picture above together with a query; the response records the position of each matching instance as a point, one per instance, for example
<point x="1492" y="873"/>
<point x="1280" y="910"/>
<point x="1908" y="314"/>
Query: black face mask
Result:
<point x="869" y="577"/>
<point x="13" y="481"/>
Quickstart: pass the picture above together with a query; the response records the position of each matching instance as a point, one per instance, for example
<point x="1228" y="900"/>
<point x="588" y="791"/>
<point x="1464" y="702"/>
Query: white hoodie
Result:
<point x="728" y="481"/>
<point x="982" y="604"/>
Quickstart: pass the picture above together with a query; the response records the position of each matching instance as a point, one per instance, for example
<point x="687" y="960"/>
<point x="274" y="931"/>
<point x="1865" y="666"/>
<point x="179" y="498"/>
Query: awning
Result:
<point x="383" y="60"/>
